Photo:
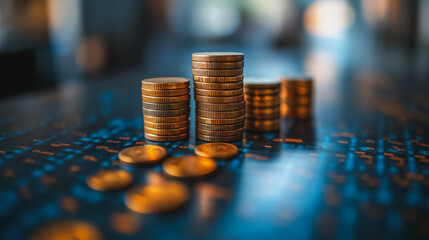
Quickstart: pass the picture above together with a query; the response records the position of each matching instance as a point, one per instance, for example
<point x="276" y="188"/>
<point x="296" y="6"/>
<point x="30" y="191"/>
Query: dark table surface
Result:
<point x="359" y="169"/>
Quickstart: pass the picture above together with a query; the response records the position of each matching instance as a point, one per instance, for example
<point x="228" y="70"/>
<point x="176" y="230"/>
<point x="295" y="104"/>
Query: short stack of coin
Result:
<point x="166" y="109"/>
<point x="262" y="104"/>
<point x="296" y="97"/>
<point x="218" y="88"/>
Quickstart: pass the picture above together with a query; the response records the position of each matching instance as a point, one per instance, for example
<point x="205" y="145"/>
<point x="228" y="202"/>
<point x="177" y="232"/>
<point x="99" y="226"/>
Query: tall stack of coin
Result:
<point x="296" y="97"/>
<point x="262" y="104"/>
<point x="166" y="109"/>
<point x="218" y="86"/>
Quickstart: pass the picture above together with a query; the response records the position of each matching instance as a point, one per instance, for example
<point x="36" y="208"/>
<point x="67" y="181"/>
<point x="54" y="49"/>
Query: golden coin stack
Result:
<point x="262" y="104"/>
<point x="166" y="109"/>
<point x="218" y="88"/>
<point x="296" y="97"/>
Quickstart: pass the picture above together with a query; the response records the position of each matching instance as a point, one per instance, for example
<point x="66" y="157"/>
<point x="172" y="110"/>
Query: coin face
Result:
<point x="163" y="197"/>
<point x="165" y="83"/>
<point x="261" y="83"/>
<point x="67" y="229"/>
<point x="109" y="180"/>
<point x="142" y="154"/>
<point x="216" y="150"/>
<point x="188" y="166"/>
<point x="217" y="65"/>
<point x="218" y="56"/>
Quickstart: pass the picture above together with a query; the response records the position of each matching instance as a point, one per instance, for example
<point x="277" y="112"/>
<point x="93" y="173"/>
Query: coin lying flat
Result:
<point x="224" y="133"/>
<point x="220" y="107"/>
<point x="219" y="139"/>
<point x="165" y="92"/>
<point x="250" y="103"/>
<point x="216" y="150"/>
<point x="165" y="113"/>
<point x="167" y="132"/>
<point x="166" y="125"/>
<point x="218" y="93"/>
<point x="219" y="86"/>
<point x="261" y="92"/>
<point x="217" y="72"/>
<point x="188" y="166"/>
<point x="166" y="106"/>
<point x="175" y="99"/>
<point x="165" y="83"/>
<point x="217" y="65"/>
<point x="220" y="121"/>
<point x="231" y="99"/>
<point x="109" y="180"/>
<point x="218" y="56"/>
<point x="207" y="79"/>
<point x="67" y="229"/>
<point x="261" y="83"/>
<point x="220" y="115"/>
<point x="223" y="127"/>
<point x="158" y="138"/>
<point x="142" y="154"/>
<point x="158" y="198"/>
<point x="166" y="119"/>
<point x="263" y="112"/>
<point x="263" y="125"/>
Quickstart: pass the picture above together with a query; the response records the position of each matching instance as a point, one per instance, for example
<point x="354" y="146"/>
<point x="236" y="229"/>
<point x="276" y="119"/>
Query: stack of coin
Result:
<point x="262" y="104"/>
<point x="218" y="86"/>
<point x="166" y="109"/>
<point x="296" y="97"/>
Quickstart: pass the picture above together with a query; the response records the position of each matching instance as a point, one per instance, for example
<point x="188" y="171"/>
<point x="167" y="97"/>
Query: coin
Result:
<point x="167" y="132"/>
<point x="261" y="83"/>
<point x="225" y="133"/>
<point x="218" y="93"/>
<point x="216" y="150"/>
<point x="295" y="111"/>
<point x="217" y="72"/>
<point x="165" y="113"/>
<point x="231" y="99"/>
<point x="165" y="92"/>
<point x="67" y="229"/>
<point x="220" y="115"/>
<point x="262" y="125"/>
<point x="263" y="112"/>
<point x="142" y="154"/>
<point x="220" y="121"/>
<point x="157" y="198"/>
<point x="175" y="99"/>
<point x="165" y="83"/>
<point x="109" y="180"/>
<point x="166" y="119"/>
<point x="217" y="65"/>
<point x="166" y="125"/>
<point x="297" y="100"/>
<point x="218" y="56"/>
<point x="188" y="166"/>
<point x="166" y="106"/>
<point x="261" y="92"/>
<point x="219" y="139"/>
<point x="219" y="127"/>
<point x="207" y="79"/>
<point x="220" y="107"/>
<point x="265" y="98"/>
<point x="157" y="138"/>
<point x="258" y="103"/>
<point x="219" y="86"/>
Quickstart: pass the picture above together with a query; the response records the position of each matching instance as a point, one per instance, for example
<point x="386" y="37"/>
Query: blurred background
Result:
<point x="54" y="43"/>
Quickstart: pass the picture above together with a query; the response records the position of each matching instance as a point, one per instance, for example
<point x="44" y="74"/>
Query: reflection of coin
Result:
<point x="225" y="133"/>
<point x="188" y="166"/>
<point x="220" y="115"/>
<point x="220" y="107"/>
<point x="166" y="125"/>
<point x="166" y="119"/>
<point x="166" y="132"/>
<point x="142" y="154"/>
<point x="157" y="138"/>
<point x="219" y="127"/>
<point x="164" y="197"/>
<point x="165" y="92"/>
<point x="68" y="229"/>
<point x="207" y="79"/>
<point x="231" y="99"/>
<point x="165" y="113"/>
<point x="165" y="83"/>
<point x="109" y="180"/>
<point x="175" y="99"/>
<point x="219" y="139"/>
<point x="218" y="86"/>
<point x="217" y="65"/>
<point x="166" y="106"/>
<point x="218" y="56"/>
<point x="218" y="93"/>
<point x="216" y="150"/>
<point x="220" y="121"/>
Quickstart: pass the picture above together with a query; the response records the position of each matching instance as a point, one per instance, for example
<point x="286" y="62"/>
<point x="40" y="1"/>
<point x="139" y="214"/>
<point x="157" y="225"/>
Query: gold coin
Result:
<point x="261" y="83"/>
<point x="165" y="92"/>
<point x="165" y="113"/>
<point x="220" y="121"/>
<point x="165" y="83"/>
<point x="219" y="139"/>
<point x="109" y="180"/>
<point x="217" y="65"/>
<point x="206" y="79"/>
<point x="231" y="99"/>
<point x="166" y="119"/>
<point x="157" y="138"/>
<point x="250" y="103"/>
<point x="142" y="154"/>
<point x="219" y="107"/>
<point x="261" y="98"/>
<point x="218" y="56"/>
<point x="219" y="86"/>
<point x="220" y="127"/>
<point x="175" y="99"/>
<point x="263" y="112"/>
<point x="218" y="93"/>
<point x="217" y="72"/>
<point x="166" y="125"/>
<point x="225" y="133"/>
<point x="188" y="166"/>
<point x="166" y="106"/>
<point x="216" y="150"/>
<point x="220" y="115"/>
<point x="157" y="198"/>
<point x="167" y="132"/>
<point x="262" y="125"/>
<point x="262" y="92"/>
<point x="67" y="229"/>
